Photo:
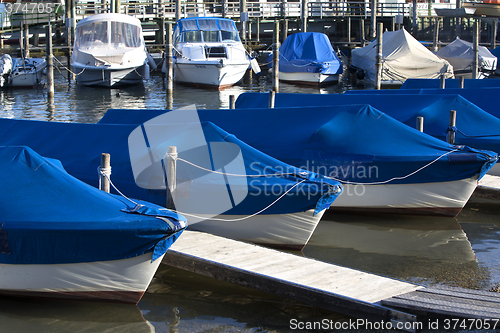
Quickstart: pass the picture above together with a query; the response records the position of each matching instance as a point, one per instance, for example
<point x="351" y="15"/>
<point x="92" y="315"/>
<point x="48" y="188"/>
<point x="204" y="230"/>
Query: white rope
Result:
<point x="241" y="218"/>
<point x="396" y="178"/>
<point x="66" y="68"/>
<point x="104" y="172"/>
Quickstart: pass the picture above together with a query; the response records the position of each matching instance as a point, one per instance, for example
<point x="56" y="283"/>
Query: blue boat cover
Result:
<point x="308" y="52"/>
<point x="50" y="217"/>
<point x="79" y="147"/>
<point x="481" y="97"/>
<point x="353" y="143"/>
<point x="449" y="83"/>
<point x="475" y="127"/>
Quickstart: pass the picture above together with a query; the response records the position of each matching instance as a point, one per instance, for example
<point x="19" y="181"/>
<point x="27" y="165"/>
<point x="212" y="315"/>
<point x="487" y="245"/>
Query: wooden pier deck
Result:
<point x="488" y="188"/>
<point x="331" y="287"/>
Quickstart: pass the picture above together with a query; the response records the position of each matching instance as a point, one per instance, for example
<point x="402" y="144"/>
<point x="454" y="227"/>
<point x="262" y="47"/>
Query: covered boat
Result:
<point x="109" y="50"/>
<point x="224" y="186"/>
<point x="62" y="238"/>
<point x="383" y="165"/>
<point x="474" y="126"/>
<point x="208" y="52"/>
<point x="21" y="72"/>
<point x="460" y="54"/>
<point x="403" y="57"/>
<point x="308" y="58"/>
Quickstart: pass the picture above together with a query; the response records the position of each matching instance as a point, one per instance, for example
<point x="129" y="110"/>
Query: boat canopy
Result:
<point x="459" y="54"/>
<point x="205" y="30"/>
<point x="475" y="127"/>
<point x="403" y="57"/>
<point x="449" y="83"/>
<point x="350" y="143"/>
<point x="308" y="52"/>
<point x="50" y="217"/>
<point x="109" y="30"/>
<point x="244" y="180"/>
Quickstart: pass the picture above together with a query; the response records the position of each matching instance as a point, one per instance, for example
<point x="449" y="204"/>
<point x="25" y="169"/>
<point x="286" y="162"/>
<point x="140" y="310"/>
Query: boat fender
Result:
<point x="151" y="62"/>
<point x="146" y="71"/>
<point x="5" y="64"/>
<point x="255" y="66"/>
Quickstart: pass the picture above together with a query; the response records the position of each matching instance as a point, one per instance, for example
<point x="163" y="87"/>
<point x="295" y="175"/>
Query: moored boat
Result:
<point x="223" y="186"/>
<point x="308" y="58"/>
<point x="21" y="72"/>
<point x="61" y="238"/>
<point x="208" y="52"/>
<point x="109" y="50"/>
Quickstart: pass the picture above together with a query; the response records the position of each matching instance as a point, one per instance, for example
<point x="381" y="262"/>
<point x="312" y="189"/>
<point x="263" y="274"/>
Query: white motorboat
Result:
<point x="208" y="52"/>
<point x="21" y="72"/>
<point x="109" y="50"/>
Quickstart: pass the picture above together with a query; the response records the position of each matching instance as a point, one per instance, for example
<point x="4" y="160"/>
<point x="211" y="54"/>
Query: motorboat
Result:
<point x="109" y="50"/>
<point x="21" y="72"/>
<point x="308" y="58"/>
<point x="403" y="57"/>
<point x="62" y="238"/>
<point x="460" y="54"/>
<point x="208" y="53"/>
<point x="223" y="186"/>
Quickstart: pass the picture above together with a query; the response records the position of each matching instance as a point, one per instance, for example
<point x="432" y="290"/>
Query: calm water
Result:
<point x="462" y="251"/>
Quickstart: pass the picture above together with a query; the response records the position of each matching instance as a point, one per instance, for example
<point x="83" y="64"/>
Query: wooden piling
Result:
<point x="450" y="135"/>
<point x="494" y="28"/>
<point x="105" y="169"/>
<point x="349" y="32"/>
<point x="362" y="32"/>
<point x="50" y="62"/>
<point x="420" y="124"/>
<point x="258" y="30"/>
<point x="379" y="56"/>
<point x="442" y="82"/>
<point x="276" y="56"/>
<point x="171" y="175"/>
<point x="73" y="19"/>
<point x="26" y="41"/>
<point x="304" y="13"/>
<point x="435" y="41"/>
<point x="284" y="30"/>
<point x="373" y="26"/>
<point x="232" y="102"/>
<point x="461" y="82"/>
<point x="177" y="10"/>
<point x="169" y="58"/>
<point x="475" y="50"/>
<point x="271" y="99"/>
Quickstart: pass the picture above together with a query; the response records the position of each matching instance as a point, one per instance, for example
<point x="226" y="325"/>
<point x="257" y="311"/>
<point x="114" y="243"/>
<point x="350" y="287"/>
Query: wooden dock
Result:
<point x="331" y="287"/>
<point x="488" y="188"/>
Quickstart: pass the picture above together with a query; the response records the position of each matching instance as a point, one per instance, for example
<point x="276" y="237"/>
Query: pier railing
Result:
<point x="145" y="9"/>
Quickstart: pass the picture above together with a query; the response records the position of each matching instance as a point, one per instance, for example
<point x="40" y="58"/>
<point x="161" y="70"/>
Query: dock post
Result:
<point x="373" y="26"/>
<point x="170" y="66"/>
<point x="420" y="124"/>
<point x="1" y="41"/>
<point x="232" y="102"/>
<point x="362" y="32"/>
<point x="171" y="175"/>
<point x="284" y="30"/>
<point x="272" y="96"/>
<point x="450" y="135"/>
<point x="349" y="32"/>
<point x="304" y="13"/>
<point x="73" y="19"/>
<point x="461" y="82"/>
<point x="105" y="170"/>
<point x="378" y="63"/>
<point x="435" y="41"/>
<point x="50" y="62"/>
<point x="26" y="41"/>
<point x="177" y="10"/>
<point x="494" y="27"/>
<point x="258" y="30"/>
<point x="276" y="57"/>
<point x="161" y="23"/>
<point x="475" y="49"/>
<point x="442" y="82"/>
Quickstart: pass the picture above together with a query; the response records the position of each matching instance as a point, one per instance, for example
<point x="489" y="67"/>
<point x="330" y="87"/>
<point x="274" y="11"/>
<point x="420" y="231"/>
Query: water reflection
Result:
<point x="57" y="316"/>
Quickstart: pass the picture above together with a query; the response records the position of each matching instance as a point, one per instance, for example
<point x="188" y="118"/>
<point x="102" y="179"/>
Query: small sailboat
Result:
<point x="208" y="53"/>
<point x="109" y="50"/>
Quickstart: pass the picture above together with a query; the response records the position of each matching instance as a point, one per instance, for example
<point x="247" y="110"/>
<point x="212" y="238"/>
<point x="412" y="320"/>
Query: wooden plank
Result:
<point x="488" y="188"/>
<point x="313" y="282"/>
<point x="467" y="294"/>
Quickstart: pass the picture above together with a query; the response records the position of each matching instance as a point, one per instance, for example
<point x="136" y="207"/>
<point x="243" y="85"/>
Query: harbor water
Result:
<point x="462" y="251"/>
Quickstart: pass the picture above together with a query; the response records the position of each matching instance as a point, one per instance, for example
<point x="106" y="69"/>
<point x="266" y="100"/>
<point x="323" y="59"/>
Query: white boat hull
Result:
<point x="309" y="78"/>
<point x="123" y="280"/>
<point x="284" y="231"/>
<point x="109" y="77"/>
<point x="209" y="74"/>
<point x="440" y="198"/>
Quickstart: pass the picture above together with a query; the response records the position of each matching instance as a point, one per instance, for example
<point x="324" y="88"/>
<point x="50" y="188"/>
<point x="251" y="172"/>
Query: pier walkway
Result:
<point x="331" y="287"/>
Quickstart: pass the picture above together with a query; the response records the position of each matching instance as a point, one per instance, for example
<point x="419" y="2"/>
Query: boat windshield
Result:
<point x="206" y="31"/>
<point x="95" y="35"/>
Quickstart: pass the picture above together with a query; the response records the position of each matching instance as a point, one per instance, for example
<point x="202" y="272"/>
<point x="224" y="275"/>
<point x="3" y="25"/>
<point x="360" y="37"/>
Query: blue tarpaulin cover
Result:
<point x="50" y="217"/>
<point x="354" y="143"/>
<point x="79" y="147"/>
<point x="449" y="83"/>
<point x="308" y="52"/>
<point x="475" y="127"/>
<point x="483" y="97"/>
